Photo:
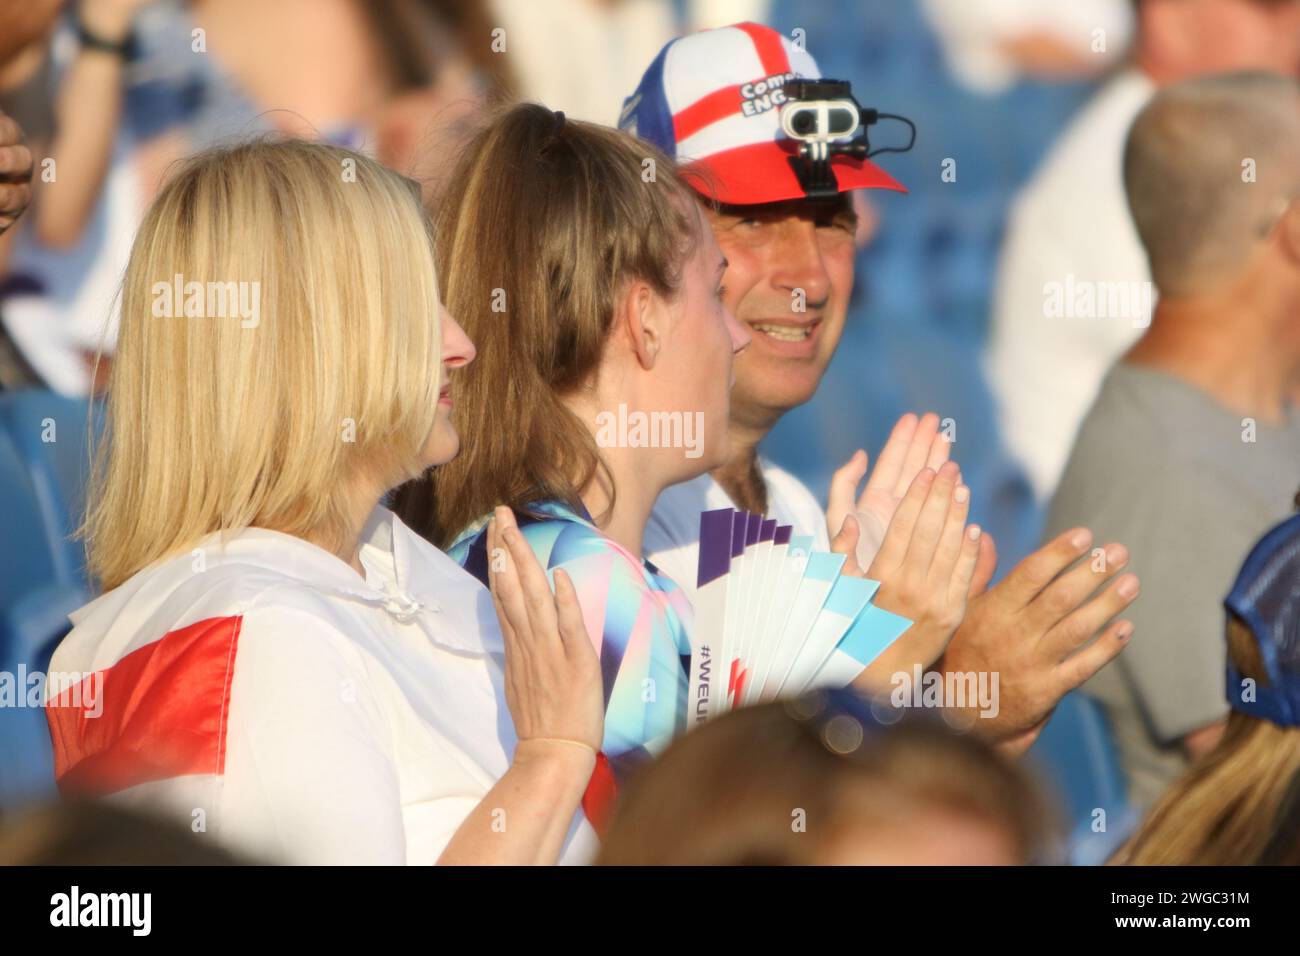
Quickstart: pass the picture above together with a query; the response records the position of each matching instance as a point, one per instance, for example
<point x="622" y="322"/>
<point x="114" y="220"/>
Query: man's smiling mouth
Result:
<point x="785" y="331"/>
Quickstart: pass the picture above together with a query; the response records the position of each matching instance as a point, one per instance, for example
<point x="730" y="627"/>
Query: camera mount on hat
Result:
<point x="827" y="121"/>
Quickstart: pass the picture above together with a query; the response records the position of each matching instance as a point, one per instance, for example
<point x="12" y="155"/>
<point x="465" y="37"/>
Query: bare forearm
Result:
<point x="525" y="817"/>
<point x="89" y="112"/>
<point x="25" y="21"/>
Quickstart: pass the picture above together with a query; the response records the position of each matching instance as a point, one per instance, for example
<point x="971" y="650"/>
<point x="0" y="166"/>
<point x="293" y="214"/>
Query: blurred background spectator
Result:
<point x="86" y="833"/>
<point x="1190" y="451"/>
<point x="820" y="781"/>
<point x="403" y="79"/>
<point x="1071" y="225"/>
<point x="121" y="89"/>
<point x="1240" y="804"/>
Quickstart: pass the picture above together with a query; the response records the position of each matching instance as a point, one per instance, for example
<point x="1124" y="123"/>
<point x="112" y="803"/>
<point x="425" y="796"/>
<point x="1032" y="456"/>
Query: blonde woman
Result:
<point x="1240" y="804"/>
<point x="277" y="659"/>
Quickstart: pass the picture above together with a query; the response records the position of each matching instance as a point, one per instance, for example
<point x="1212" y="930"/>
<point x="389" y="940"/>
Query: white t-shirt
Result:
<point x="617" y="40"/>
<point x="974" y="37"/>
<point x="672" y="538"/>
<point x="1069" y="229"/>
<point x="296" y="711"/>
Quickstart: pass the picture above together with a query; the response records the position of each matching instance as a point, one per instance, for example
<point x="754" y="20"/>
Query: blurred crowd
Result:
<point x="1041" y="241"/>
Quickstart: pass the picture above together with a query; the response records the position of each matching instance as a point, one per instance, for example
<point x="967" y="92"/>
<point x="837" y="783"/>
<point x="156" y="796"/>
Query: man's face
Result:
<point x="789" y="277"/>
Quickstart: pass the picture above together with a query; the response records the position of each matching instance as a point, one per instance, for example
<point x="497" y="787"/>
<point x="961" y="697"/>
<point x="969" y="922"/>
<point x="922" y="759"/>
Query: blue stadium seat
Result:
<point x="30" y="629"/>
<point x="50" y="434"/>
<point x="43" y="466"/>
<point x="26" y="560"/>
<point x="1076" y="755"/>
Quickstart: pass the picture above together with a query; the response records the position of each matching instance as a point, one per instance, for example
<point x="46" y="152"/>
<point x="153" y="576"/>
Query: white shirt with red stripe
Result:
<point x="270" y="697"/>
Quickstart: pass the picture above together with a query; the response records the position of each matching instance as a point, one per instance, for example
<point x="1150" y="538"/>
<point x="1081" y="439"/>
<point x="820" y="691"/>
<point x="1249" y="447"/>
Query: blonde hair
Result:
<point x="221" y="423"/>
<point x="1237" y="805"/>
<point x="542" y="226"/>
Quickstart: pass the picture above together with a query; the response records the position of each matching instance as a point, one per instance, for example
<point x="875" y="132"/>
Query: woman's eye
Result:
<point x="721" y="292"/>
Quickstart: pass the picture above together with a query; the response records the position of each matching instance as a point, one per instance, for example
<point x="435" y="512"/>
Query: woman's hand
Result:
<point x="553" y="681"/>
<point x="912" y="445"/>
<point x="553" y="690"/>
<point x="925" y="567"/>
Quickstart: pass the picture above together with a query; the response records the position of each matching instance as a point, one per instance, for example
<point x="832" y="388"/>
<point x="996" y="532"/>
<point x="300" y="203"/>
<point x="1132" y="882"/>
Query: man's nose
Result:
<point x="799" y="264"/>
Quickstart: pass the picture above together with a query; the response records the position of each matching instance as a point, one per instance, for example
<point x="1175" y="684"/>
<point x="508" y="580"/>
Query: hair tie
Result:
<point x="559" y="123"/>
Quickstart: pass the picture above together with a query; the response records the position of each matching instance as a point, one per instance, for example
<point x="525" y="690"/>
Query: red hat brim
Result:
<point x="762" y="173"/>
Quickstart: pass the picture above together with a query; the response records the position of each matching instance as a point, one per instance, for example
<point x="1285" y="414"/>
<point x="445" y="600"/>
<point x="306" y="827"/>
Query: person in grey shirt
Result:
<point x="1192" y="449"/>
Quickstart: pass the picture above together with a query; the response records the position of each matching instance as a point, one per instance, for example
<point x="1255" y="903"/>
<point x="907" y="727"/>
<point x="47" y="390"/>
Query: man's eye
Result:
<point x="721" y="292"/>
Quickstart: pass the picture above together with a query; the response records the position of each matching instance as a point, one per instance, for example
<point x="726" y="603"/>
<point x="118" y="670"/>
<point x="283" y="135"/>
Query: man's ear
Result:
<point x="640" y="313"/>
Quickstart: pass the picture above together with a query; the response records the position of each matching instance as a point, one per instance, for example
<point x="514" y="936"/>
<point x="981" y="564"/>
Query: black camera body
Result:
<point x="826" y="120"/>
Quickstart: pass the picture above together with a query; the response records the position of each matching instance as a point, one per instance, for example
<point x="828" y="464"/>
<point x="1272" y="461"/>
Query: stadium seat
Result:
<point x="26" y="560"/>
<point x="1077" y="756"/>
<point x="43" y="467"/>
<point x="49" y="433"/>
<point x="30" y="629"/>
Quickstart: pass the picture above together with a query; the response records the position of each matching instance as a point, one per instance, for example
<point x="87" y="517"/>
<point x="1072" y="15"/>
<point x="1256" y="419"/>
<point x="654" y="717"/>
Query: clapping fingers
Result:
<point x="964" y="569"/>
<point x="552" y="674"/>
<point x="918" y="451"/>
<point x="845" y="542"/>
<point x="1090" y="614"/>
<point x="913" y="445"/>
<point x="568" y="613"/>
<point x="533" y="592"/>
<point x="986" y="564"/>
<point x="503" y="582"/>
<point x="842" y="498"/>
<point x="949" y="549"/>
<point x="940" y="450"/>
<point x="1081" y="665"/>
<point x="1058" y="601"/>
<point x="899" y="534"/>
<point x="15" y="172"/>
<point x="1028" y="578"/>
<point x="931" y="521"/>
<point x="886" y="477"/>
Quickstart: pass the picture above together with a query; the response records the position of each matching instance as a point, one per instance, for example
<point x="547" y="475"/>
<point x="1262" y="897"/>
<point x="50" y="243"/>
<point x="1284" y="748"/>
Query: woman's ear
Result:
<point x="641" y="315"/>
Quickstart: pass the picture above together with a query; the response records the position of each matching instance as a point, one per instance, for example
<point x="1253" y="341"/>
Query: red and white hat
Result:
<point x="712" y="101"/>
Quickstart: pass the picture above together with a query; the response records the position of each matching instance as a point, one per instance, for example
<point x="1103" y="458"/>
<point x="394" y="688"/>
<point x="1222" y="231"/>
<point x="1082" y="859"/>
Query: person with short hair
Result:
<point x="1191" y="448"/>
<point x="1069" y="228"/>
